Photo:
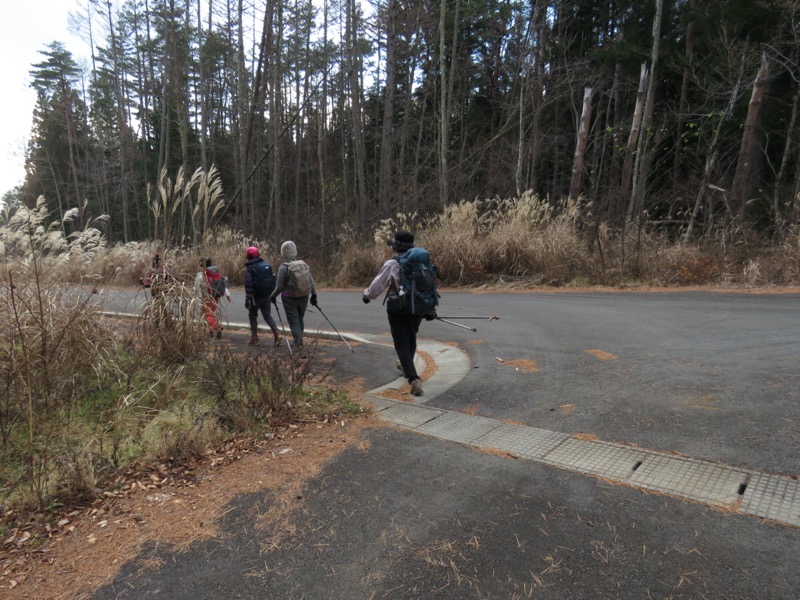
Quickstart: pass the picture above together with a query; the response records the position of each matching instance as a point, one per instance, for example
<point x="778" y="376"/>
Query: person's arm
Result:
<point x="248" y="282"/>
<point x="280" y="281"/>
<point x="313" y="290"/>
<point x="389" y="273"/>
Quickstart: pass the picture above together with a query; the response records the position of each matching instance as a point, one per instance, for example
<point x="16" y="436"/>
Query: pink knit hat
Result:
<point x="252" y="252"/>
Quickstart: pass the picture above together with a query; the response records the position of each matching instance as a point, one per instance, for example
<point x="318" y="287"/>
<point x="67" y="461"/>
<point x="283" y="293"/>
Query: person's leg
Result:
<point x="290" y="305"/>
<point x="252" y="316"/>
<point x="404" y="338"/>
<point x="210" y="312"/>
<point x="266" y="312"/>
<point x="302" y="304"/>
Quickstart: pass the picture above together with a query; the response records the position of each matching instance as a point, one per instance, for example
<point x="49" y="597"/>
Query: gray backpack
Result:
<point x="298" y="278"/>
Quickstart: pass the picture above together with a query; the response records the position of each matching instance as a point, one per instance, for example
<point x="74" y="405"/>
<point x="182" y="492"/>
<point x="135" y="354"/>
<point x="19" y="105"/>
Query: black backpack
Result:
<point x="417" y="294"/>
<point x="262" y="278"/>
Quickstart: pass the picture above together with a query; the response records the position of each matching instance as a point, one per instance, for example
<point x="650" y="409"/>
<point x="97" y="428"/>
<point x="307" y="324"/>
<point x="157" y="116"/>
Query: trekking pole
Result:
<point x="456" y="324"/>
<point x="334" y="328"/>
<point x="286" y="337"/>
<point x="490" y="318"/>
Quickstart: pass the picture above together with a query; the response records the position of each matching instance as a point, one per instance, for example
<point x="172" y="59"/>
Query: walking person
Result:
<point x="295" y="286"/>
<point x="411" y="282"/>
<point x="210" y="285"/>
<point x="259" y="283"/>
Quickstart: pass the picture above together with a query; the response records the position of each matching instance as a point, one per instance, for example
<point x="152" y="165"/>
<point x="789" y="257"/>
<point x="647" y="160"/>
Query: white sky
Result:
<point x="26" y="26"/>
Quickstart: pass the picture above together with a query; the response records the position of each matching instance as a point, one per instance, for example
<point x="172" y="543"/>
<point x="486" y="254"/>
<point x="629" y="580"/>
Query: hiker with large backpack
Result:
<point x="259" y="283"/>
<point x="295" y="286"/>
<point x="410" y="279"/>
<point x="210" y="285"/>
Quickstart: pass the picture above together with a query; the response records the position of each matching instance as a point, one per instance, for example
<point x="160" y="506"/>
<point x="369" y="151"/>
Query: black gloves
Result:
<point x="364" y="299"/>
<point x="248" y="302"/>
<point x="430" y="316"/>
<point x="314" y="300"/>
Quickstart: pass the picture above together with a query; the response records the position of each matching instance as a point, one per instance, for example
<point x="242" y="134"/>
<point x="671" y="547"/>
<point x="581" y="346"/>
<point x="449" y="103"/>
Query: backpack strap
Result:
<point x="392" y="285"/>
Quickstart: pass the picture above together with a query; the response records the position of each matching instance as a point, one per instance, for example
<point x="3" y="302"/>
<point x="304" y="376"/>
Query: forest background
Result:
<point x="554" y="142"/>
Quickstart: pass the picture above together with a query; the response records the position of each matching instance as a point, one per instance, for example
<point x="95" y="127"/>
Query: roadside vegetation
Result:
<point x="528" y="242"/>
<point x="84" y="397"/>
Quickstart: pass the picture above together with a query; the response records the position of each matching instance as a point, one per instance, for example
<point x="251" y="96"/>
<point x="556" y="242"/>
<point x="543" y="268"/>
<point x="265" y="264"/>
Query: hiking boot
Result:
<point x="219" y="333"/>
<point x="416" y="387"/>
<point x="253" y="341"/>
<point x="278" y="339"/>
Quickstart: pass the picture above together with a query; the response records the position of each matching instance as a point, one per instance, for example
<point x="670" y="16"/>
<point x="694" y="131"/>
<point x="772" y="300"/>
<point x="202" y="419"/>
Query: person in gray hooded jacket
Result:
<point x="296" y="287"/>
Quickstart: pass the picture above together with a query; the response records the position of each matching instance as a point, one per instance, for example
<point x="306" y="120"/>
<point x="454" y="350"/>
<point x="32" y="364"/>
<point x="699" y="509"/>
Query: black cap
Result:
<point x="403" y="240"/>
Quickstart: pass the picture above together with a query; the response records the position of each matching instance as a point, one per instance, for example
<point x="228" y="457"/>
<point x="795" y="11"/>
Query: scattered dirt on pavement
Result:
<point x="522" y="364"/>
<point x="404" y="393"/>
<point x="601" y="354"/>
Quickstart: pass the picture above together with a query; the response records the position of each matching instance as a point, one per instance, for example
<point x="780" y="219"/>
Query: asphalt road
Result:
<point x="710" y="375"/>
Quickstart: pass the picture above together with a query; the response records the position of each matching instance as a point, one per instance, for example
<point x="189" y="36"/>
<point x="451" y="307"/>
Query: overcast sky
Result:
<point x="26" y="26"/>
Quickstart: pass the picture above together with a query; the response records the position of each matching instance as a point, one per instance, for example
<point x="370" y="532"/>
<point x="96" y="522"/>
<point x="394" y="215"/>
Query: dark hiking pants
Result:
<point x="263" y="305"/>
<point x="404" y="329"/>
<point x="295" y="311"/>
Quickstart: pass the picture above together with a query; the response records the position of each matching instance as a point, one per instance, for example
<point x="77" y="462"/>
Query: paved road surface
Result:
<point x="709" y="375"/>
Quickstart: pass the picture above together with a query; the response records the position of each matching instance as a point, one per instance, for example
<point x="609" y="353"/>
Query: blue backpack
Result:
<point x="417" y="294"/>
<point x="262" y="278"/>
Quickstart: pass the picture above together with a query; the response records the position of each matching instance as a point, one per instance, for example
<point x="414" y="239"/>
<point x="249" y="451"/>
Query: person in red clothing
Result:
<point x="210" y="285"/>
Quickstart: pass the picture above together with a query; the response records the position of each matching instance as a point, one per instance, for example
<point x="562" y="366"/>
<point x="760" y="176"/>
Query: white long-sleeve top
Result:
<point x="388" y="276"/>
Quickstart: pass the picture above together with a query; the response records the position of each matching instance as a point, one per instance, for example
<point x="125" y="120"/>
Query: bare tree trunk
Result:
<point x="387" y="139"/>
<point x="359" y="150"/>
<point x="248" y="210"/>
<point x="322" y="119"/>
<point x="683" y="104"/>
<point x="787" y="151"/>
<point x="201" y="88"/>
<point x="741" y="178"/>
<point x="445" y="102"/>
<point x="640" y="171"/>
<point x="580" y="146"/>
<point x="633" y="136"/>
<point x="275" y="116"/>
<point x="711" y="157"/>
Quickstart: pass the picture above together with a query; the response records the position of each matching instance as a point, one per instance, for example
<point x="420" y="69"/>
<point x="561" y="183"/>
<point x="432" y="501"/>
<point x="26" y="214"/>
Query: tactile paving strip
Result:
<point x="409" y="415"/>
<point x="597" y="458"/>
<point x="380" y="403"/>
<point x="773" y="497"/>
<point x="692" y="479"/>
<point x="458" y="427"/>
<point x="521" y="441"/>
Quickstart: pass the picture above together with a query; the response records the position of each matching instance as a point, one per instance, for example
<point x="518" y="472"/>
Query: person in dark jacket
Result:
<point x="259" y="282"/>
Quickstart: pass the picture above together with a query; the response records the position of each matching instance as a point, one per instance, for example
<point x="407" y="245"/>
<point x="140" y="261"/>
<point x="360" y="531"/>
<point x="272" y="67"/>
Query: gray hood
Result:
<point x="288" y="251"/>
